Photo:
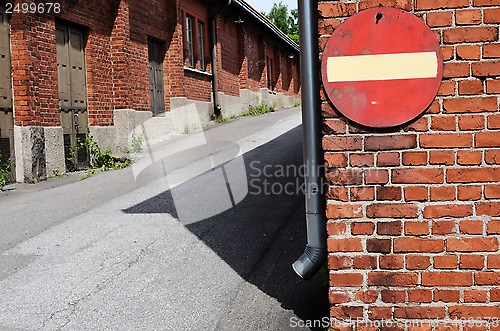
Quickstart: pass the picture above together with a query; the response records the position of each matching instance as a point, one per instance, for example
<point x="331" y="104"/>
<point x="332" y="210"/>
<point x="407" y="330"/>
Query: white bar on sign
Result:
<point x="382" y="67"/>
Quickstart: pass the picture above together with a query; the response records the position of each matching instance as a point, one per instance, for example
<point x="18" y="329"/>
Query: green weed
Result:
<point x="219" y="119"/>
<point x="262" y="108"/>
<point x="5" y="170"/>
<point x="137" y="140"/>
<point x="189" y="128"/>
<point x="98" y="158"/>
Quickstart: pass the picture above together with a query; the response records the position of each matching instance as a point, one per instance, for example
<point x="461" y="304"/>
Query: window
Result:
<point x="195" y="39"/>
<point x="200" y="45"/>
<point x="189" y="40"/>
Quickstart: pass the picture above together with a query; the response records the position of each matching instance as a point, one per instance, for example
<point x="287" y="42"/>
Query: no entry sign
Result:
<point x="382" y="67"/>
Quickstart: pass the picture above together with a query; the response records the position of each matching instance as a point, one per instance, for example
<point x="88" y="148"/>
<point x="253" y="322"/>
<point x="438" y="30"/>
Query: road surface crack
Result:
<point x="62" y="317"/>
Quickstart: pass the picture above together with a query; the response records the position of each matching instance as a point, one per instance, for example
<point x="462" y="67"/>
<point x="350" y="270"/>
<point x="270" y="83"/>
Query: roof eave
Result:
<point x="268" y="24"/>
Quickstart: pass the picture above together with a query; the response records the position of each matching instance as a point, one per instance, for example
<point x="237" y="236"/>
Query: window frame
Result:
<point x="201" y="43"/>
<point x="189" y="40"/>
<point x="196" y="41"/>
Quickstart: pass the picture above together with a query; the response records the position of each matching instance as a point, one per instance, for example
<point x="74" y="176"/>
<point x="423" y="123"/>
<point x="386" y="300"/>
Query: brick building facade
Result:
<point x="414" y="210"/>
<point x="117" y="65"/>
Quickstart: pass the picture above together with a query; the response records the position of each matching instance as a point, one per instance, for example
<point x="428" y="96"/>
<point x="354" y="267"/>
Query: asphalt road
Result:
<point x="199" y="234"/>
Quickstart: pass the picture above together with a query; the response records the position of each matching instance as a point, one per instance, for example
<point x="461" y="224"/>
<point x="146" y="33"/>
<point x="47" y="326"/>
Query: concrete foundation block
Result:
<point x="126" y="122"/>
<point x="30" y="157"/>
<point x="189" y="115"/>
<point x="53" y="151"/>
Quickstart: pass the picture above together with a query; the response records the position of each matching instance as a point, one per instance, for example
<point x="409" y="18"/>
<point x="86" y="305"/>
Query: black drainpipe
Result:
<point x="215" y="87"/>
<point x="315" y="253"/>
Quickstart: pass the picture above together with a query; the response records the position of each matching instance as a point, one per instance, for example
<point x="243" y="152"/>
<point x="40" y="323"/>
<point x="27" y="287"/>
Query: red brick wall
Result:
<point x="116" y="55"/>
<point x="197" y="86"/>
<point x="34" y="62"/>
<point x="246" y="63"/>
<point x="159" y="25"/>
<point x="173" y="68"/>
<point x="96" y="17"/>
<point x="256" y="62"/>
<point x="414" y="211"/>
<point x="231" y="58"/>
<point x="119" y="44"/>
<point x="35" y="98"/>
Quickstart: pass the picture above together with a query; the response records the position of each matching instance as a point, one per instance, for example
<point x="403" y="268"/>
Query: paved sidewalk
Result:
<point x="157" y="247"/>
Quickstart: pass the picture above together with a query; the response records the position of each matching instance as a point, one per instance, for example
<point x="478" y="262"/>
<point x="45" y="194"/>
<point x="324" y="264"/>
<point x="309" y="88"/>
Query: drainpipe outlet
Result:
<point x="315" y="253"/>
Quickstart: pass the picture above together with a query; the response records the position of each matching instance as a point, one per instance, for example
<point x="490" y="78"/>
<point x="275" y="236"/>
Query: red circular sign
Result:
<point x="382" y="67"/>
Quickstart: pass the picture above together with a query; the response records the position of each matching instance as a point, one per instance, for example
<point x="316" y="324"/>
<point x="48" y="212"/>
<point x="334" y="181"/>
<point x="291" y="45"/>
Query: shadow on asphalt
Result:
<point x="262" y="235"/>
